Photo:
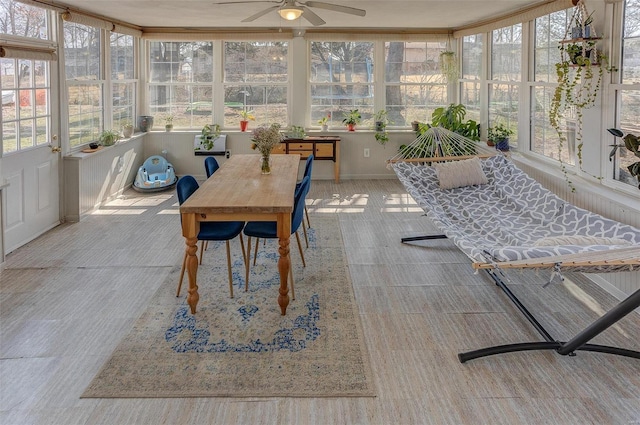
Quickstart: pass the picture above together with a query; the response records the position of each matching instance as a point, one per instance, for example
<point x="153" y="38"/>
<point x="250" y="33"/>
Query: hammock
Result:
<point x="501" y="218"/>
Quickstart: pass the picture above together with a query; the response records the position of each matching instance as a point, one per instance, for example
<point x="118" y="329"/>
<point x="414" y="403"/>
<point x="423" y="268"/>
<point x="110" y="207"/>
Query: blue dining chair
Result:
<point x="209" y="230"/>
<point x="307" y="172"/>
<point x="210" y="165"/>
<point x="269" y="230"/>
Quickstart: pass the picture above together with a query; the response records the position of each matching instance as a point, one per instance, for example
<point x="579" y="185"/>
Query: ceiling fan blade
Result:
<point x="336" y="8"/>
<point x="312" y="17"/>
<point x="248" y="1"/>
<point x="260" y="14"/>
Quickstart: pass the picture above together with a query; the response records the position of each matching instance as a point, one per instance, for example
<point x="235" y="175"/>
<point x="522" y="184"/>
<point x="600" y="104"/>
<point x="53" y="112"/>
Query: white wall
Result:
<point x="353" y="164"/>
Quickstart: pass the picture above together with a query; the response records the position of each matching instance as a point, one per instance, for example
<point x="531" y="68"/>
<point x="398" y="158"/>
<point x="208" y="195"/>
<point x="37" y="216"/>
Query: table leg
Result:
<point x="190" y="230"/>
<point x="284" y="265"/>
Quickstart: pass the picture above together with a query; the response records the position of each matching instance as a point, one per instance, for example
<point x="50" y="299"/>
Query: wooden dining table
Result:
<point x="238" y="191"/>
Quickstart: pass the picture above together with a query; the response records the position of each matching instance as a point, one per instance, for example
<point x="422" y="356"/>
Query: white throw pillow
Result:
<point x="580" y="241"/>
<point x="466" y="172"/>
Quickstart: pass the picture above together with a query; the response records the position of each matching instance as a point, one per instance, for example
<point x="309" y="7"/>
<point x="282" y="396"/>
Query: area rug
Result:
<point x="244" y="347"/>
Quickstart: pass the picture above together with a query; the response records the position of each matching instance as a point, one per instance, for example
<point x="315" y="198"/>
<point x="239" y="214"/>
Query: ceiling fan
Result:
<point x="292" y="9"/>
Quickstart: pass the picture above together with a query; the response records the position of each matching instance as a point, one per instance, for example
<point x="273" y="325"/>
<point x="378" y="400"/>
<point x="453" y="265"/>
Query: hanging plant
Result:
<point x="449" y="66"/>
<point x="579" y="74"/>
<point x="381" y="120"/>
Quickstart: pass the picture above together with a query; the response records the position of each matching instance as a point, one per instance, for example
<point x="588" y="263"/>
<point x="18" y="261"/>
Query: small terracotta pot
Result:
<point x="243" y="125"/>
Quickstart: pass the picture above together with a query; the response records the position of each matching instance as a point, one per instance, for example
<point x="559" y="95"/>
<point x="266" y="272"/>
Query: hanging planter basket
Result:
<point x="449" y="66"/>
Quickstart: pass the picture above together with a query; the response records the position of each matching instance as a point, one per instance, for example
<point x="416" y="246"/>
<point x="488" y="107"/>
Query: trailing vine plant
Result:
<point x="579" y="74"/>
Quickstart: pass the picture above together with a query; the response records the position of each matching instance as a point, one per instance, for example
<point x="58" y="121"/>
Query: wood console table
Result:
<point x="322" y="148"/>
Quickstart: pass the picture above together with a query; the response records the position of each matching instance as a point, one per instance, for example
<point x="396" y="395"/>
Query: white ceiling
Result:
<point x="388" y="14"/>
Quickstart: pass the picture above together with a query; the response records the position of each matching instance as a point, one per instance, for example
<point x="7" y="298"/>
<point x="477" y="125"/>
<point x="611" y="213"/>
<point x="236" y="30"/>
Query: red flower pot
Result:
<point x="351" y="127"/>
<point x="243" y="125"/>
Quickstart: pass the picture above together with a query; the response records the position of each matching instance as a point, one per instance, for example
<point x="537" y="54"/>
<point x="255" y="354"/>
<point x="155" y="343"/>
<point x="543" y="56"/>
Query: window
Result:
<point x="341" y="80"/>
<point x="256" y="81"/>
<point x="181" y="82"/>
<point x="24" y="83"/>
<point x="123" y="83"/>
<point x="20" y="20"/>
<point x="85" y="84"/>
<point x="506" y="71"/>
<point x="628" y="92"/>
<point x="472" y="47"/>
<point x="549" y="30"/>
<point x="414" y="84"/>
<point x="25" y="104"/>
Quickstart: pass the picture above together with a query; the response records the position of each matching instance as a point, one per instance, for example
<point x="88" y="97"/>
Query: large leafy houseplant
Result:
<point x="632" y="145"/>
<point x="451" y="118"/>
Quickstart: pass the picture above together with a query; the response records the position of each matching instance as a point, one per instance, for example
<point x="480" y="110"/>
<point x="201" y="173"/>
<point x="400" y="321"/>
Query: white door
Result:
<point x="30" y="152"/>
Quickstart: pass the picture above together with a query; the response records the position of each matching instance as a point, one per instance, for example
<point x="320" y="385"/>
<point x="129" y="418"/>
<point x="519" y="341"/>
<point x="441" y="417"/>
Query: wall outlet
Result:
<point x="367" y="153"/>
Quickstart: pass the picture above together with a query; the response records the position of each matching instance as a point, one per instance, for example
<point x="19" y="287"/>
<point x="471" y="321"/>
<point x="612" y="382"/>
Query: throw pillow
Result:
<point x="466" y="172"/>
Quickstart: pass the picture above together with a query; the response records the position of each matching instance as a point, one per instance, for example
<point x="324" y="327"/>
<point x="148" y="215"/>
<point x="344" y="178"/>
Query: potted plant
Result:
<point x="209" y="133"/>
<point x="580" y="53"/>
<point x="246" y="116"/>
<point x="499" y="135"/>
<point x="108" y="137"/>
<point x="381" y="120"/>
<point x="295" y="132"/>
<point x="415" y="125"/>
<point x="448" y="66"/>
<point x="168" y="123"/>
<point x="127" y="129"/>
<point x="631" y="144"/>
<point x="352" y="119"/>
<point x="582" y="28"/>
<point x="452" y="118"/>
<point x="145" y="123"/>
<point x="579" y="73"/>
<point x="324" y="122"/>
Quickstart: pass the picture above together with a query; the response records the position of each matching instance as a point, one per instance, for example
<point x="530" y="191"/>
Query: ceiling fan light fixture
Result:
<point x="290" y="13"/>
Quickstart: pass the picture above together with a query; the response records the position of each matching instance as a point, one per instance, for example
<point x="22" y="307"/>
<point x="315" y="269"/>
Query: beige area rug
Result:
<point x="244" y="347"/>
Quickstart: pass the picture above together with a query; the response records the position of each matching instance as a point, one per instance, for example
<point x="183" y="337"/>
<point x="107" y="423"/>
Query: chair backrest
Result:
<point x="308" y="166"/>
<point x="210" y="165"/>
<point x="298" y="206"/>
<point x="185" y="188"/>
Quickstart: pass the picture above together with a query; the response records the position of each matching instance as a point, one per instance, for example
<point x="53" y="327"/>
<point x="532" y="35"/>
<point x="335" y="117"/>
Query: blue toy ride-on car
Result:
<point x="156" y="174"/>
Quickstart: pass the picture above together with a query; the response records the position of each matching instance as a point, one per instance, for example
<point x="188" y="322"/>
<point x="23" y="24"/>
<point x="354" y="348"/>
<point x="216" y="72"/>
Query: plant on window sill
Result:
<point x="209" y="133"/>
<point x="631" y="144"/>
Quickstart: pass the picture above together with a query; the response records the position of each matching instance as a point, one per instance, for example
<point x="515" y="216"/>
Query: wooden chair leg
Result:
<point x="206" y="245"/>
<point x="247" y="264"/>
<point x="244" y="253"/>
<point x="229" y="268"/>
<point x="304" y="264"/>
<point x="184" y="266"/>
<point x="306" y="214"/>
<point x="293" y="291"/>
<point x="201" y="251"/>
<point x="306" y="238"/>
<point x="255" y="254"/>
